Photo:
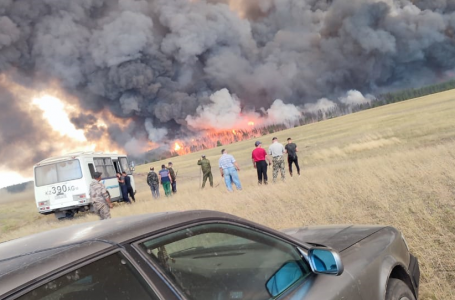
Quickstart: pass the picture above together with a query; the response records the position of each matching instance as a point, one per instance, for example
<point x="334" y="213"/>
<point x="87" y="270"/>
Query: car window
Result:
<point x="222" y="261"/>
<point x="112" y="277"/>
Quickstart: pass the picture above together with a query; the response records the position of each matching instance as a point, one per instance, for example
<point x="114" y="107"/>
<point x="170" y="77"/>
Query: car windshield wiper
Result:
<point x="186" y="250"/>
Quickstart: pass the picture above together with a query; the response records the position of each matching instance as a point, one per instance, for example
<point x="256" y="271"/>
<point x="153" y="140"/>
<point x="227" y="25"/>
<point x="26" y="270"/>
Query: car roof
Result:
<point x="25" y="259"/>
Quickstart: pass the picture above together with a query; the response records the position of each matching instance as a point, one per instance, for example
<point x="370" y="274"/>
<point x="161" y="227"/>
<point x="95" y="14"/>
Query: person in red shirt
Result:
<point x="259" y="157"/>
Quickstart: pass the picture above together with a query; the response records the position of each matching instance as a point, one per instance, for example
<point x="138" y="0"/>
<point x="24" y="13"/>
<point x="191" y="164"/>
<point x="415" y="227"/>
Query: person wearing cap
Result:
<point x="165" y="180"/>
<point x="100" y="197"/>
<point x="229" y="168"/>
<point x="173" y="177"/>
<point x="206" y="169"/>
<point x="291" y="149"/>
<point x="276" y="150"/>
<point x="259" y="157"/>
<point x="154" y="183"/>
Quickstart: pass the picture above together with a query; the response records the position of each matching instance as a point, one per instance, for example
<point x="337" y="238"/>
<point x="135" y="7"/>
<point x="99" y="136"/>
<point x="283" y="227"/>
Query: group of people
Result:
<point x="227" y="164"/>
<point x="261" y="160"/>
<point x="124" y="182"/>
<point x="166" y="177"/>
<point x="276" y="150"/>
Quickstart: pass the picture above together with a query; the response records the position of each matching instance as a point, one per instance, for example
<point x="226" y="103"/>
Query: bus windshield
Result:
<point x="58" y="172"/>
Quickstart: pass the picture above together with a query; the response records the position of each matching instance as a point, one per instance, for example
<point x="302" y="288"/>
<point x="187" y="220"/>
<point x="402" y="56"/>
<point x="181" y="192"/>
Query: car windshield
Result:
<point x="209" y="260"/>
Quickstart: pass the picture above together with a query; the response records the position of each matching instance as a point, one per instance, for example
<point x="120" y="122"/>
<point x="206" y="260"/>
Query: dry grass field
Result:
<point x="391" y="165"/>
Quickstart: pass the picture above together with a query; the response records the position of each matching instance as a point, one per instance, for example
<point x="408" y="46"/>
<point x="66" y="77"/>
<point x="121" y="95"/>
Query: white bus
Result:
<point x="62" y="184"/>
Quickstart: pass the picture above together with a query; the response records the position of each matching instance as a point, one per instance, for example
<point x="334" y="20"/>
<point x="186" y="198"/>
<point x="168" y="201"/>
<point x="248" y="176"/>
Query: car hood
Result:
<point x="338" y="237"/>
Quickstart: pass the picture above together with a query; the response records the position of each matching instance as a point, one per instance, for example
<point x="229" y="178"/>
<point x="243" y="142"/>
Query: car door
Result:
<point x="226" y="261"/>
<point x="111" y="276"/>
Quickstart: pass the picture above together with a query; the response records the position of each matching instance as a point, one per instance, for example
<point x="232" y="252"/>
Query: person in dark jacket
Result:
<point x="291" y="149"/>
<point x="154" y="183"/>
<point x="173" y="177"/>
<point x="206" y="170"/>
<point x="123" y="189"/>
<point x="129" y="188"/>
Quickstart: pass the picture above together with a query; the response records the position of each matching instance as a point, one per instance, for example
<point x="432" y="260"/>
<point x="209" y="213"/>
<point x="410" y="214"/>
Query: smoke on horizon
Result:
<point x="173" y="68"/>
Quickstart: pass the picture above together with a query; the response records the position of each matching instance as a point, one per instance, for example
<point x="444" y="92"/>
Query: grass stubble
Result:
<point x="392" y="165"/>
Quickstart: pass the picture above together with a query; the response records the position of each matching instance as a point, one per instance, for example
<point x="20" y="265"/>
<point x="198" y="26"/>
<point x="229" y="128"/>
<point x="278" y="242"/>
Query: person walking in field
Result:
<point x="291" y="149"/>
<point x="173" y="177"/>
<point x="229" y="168"/>
<point x="100" y="197"/>
<point x="129" y="188"/>
<point x="165" y="180"/>
<point x="259" y="157"/>
<point x="206" y="169"/>
<point x="276" y="150"/>
<point x="154" y="183"/>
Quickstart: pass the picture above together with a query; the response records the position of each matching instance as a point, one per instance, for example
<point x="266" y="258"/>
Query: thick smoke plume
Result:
<point x="171" y="68"/>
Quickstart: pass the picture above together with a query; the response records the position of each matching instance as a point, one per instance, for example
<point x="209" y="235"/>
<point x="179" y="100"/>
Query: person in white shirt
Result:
<point x="276" y="150"/>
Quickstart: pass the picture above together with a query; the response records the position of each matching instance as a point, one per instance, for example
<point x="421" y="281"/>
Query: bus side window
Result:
<point x="92" y="170"/>
<point x="116" y="166"/>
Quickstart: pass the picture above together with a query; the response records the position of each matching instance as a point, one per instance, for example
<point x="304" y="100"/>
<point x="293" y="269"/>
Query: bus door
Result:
<point x="117" y="167"/>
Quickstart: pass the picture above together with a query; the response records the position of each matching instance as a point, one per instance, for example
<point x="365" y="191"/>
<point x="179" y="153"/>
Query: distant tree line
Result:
<point x="414" y="93"/>
<point x="340" y="109"/>
<point x="17" y="188"/>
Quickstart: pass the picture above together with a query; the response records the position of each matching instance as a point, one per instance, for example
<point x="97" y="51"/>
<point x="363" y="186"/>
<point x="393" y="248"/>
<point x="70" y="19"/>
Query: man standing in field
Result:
<point x="228" y="168"/>
<point x="259" y="157"/>
<point x="165" y="180"/>
<point x="154" y="183"/>
<point x="173" y="177"/>
<point x="129" y="188"/>
<point x="100" y="197"/>
<point x="276" y="150"/>
<point x="291" y="149"/>
<point x="206" y="169"/>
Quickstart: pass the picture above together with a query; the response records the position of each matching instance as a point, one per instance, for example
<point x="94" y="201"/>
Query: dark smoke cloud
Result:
<point x="157" y="62"/>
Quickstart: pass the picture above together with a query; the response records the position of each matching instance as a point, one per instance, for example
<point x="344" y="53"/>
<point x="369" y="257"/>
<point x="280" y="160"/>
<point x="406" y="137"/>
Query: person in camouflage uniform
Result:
<point x="206" y="170"/>
<point x="154" y="183"/>
<point x="276" y="150"/>
<point x="100" y="197"/>
<point x="173" y="177"/>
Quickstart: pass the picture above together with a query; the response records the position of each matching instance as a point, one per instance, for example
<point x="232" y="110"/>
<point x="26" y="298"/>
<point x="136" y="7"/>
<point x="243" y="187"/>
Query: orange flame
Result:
<point x="250" y="123"/>
<point x="177" y="147"/>
<point x="233" y="131"/>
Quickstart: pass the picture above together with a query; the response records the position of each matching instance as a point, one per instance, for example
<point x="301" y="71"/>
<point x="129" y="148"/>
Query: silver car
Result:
<point x="208" y="255"/>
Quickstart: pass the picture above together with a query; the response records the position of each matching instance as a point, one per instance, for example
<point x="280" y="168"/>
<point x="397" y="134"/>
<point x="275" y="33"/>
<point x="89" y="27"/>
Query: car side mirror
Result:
<point x="325" y="261"/>
<point x="283" y="278"/>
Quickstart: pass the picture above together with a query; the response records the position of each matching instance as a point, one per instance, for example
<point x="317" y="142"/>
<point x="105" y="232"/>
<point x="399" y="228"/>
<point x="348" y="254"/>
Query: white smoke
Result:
<point x="154" y="134"/>
<point x="354" y="97"/>
<point x="281" y="113"/>
<point x="223" y="113"/>
<point x="322" y="104"/>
